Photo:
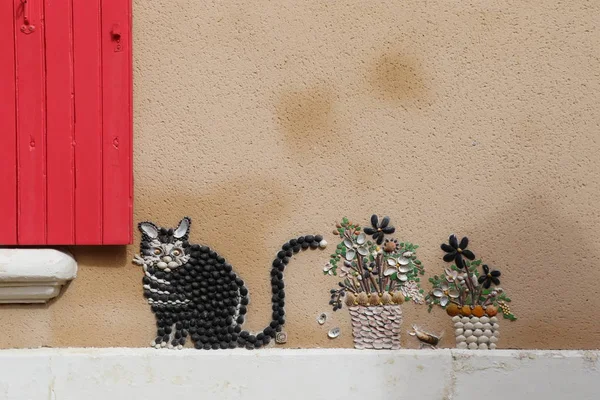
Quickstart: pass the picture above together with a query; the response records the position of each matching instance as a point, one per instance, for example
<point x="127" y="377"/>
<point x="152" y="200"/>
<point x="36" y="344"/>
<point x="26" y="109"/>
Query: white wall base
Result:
<point x="34" y="275"/>
<point x="100" y="374"/>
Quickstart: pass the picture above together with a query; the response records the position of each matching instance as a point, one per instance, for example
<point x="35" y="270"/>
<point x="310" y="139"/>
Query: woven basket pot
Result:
<point x="476" y="333"/>
<point x="376" y="327"/>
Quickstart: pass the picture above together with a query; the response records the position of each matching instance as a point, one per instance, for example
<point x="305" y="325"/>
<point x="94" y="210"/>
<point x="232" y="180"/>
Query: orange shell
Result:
<point x="452" y="310"/>
<point x="491" y="311"/>
<point x="466" y="311"/>
<point x="478" y="311"/>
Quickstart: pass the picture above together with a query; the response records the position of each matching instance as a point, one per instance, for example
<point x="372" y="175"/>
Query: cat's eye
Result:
<point x="157" y="251"/>
<point x="176" y="252"/>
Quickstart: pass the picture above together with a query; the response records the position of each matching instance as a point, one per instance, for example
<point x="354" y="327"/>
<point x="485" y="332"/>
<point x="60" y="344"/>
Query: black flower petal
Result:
<point x="447" y="248"/>
<point x="369" y="231"/>
<point x="388" y="230"/>
<point x="460" y="264"/>
<point x="486" y="269"/>
<point x="374" y="221"/>
<point x="464" y="243"/>
<point x="487" y="284"/>
<point x="495" y="274"/>
<point x="495" y="280"/>
<point x="380" y="238"/>
<point x="469" y="254"/>
<point x="384" y="222"/>
<point x="482" y="279"/>
<point x="453" y="241"/>
<point x="449" y="256"/>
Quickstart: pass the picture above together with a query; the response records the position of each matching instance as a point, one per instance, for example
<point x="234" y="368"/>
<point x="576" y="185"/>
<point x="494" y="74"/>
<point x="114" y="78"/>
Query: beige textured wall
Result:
<point x="267" y="119"/>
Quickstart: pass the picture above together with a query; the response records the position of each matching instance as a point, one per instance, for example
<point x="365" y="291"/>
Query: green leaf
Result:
<point x="345" y="220"/>
<point x="431" y="280"/>
<point x="421" y="291"/>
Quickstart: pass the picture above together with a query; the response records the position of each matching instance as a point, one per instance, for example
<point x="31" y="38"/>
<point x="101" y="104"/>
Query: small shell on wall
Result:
<point x="322" y="319"/>
<point x="334" y="333"/>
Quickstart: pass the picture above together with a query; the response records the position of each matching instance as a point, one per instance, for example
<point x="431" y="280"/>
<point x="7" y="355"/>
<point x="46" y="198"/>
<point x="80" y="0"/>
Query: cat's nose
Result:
<point x="167" y="259"/>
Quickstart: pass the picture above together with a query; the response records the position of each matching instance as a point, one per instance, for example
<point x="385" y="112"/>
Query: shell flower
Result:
<point x="455" y="251"/>
<point x="400" y="265"/>
<point x="452" y="275"/>
<point x="444" y="293"/>
<point x="359" y="246"/>
<point x="379" y="230"/>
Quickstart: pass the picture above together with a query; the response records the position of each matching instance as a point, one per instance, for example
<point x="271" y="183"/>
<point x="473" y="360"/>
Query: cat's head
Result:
<point x="165" y="249"/>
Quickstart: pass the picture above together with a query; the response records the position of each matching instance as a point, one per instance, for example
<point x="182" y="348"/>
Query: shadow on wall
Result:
<point x="397" y="78"/>
<point x="542" y="254"/>
<point x="308" y="119"/>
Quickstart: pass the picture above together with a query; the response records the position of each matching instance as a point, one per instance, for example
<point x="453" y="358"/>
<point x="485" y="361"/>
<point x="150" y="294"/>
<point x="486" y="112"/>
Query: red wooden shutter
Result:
<point x="65" y="122"/>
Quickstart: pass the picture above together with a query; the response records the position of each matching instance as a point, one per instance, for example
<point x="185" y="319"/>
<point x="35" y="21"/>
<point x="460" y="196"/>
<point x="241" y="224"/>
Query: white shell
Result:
<point x="496" y="326"/>
<point x="483" y="339"/>
<point x="469" y="325"/>
<point x="456" y="318"/>
<point x="471" y="339"/>
<point x="484" y="320"/>
<point x="474" y="319"/>
<point x="487" y="326"/>
<point x="361" y="239"/>
<point x="323" y="243"/>
<point x="402" y="277"/>
<point x="461" y="345"/>
<point x="460" y="338"/>
<point x="363" y="251"/>
<point x="407" y="254"/>
<point x="478" y="325"/>
<point x="348" y="243"/>
<point x="403" y="261"/>
<point x="492" y="346"/>
<point x="350" y="253"/>
<point x="483" y="346"/>
<point x="468" y="333"/>
<point x="458" y="325"/>
<point x="477" y="332"/>
<point x="389" y="271"/>
<point x="334" y="332"/>
<point x="487" y="333"/>
<point x="322" y="318"/>
<point x="465" y="319"/>
<point x="493" y="339"/>
<point x="497" y="333"/>
<point x="459" y="331"/>
<point x="404" y="268"/>
<point x="493" y="320"/>
<point x="473" y="346"/>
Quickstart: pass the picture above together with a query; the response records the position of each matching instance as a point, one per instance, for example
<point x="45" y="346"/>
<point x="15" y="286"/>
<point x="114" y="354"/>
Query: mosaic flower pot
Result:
<point x="476" y="333"/>
<point x="376" y="327"/>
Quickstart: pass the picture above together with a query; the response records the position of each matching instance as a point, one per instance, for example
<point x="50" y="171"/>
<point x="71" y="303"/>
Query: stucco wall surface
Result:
<point x="264" y="120"/>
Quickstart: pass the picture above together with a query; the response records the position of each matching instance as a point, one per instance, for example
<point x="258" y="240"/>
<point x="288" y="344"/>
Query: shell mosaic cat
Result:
<point x="195" y="293"/>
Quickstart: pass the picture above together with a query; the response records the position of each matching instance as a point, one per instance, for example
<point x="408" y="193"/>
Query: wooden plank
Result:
<point x="8" y="127"/>
<point x="116" y="111"/>
<point x="88" y="121"/>
<point x="31" y="126"/>
<point x="59" y="90"/>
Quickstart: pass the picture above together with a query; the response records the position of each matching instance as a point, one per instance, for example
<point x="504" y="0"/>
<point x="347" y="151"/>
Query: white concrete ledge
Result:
<point x="333" y="374"/>
<point x="34" y="275"/>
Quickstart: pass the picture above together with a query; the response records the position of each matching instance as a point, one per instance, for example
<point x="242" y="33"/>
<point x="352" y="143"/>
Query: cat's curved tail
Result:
<point x="250" y="341"/>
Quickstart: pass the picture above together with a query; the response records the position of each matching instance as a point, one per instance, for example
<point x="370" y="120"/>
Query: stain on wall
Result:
<point x="266" y="120"/>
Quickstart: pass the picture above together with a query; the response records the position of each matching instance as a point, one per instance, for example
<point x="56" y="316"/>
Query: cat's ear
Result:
<point x="183" y="229"/>
<point x="148" y="229"/>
